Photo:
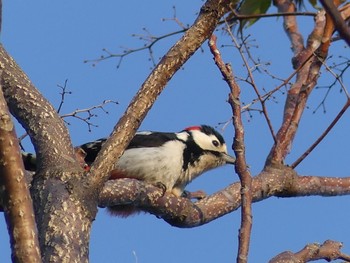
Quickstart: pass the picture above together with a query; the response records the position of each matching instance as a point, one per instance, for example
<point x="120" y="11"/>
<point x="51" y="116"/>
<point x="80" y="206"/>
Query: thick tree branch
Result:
<point x="290" y="24"/>
<point x="16" y="200"/>
<point x="62" y="201"/>
<point x="37" y="116"/>
<point x="181" y="212"/>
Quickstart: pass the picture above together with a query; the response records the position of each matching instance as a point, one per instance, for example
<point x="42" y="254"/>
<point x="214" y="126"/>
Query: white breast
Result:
<point x="154" y="164"/>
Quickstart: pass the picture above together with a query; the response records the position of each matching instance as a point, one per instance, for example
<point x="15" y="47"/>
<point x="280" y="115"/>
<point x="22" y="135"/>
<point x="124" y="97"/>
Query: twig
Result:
<point x="128" y="51"/>
<point x="76" y="114"/>
<point x="63" y="94"/>
<point x="284" y="83"/>
<point x="238" y="16"/>
<point x="176" y="20"/>
<point x="150" y="40"/>
<point x="90" y="114"/>
<point x="238" y="146"/>
<point x="337" y="79"/>
<point x="252" y="83"/>
<point x="323" y="135"/>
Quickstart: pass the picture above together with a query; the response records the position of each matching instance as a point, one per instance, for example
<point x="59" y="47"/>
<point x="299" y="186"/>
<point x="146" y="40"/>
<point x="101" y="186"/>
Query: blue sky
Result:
<point x="50" y="41"/>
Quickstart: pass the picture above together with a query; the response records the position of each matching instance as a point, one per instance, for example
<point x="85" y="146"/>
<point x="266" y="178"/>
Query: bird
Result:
<point x="169" y="159"/>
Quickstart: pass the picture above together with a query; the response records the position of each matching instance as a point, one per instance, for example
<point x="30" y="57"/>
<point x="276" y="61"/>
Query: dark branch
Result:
<point x="338" y="21"/>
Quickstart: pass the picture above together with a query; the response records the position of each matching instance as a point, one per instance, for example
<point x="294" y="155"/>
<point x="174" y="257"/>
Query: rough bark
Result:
<point x="17" y="202"/>
<point x="55" y="190"/>
<point x="279" y="181"/>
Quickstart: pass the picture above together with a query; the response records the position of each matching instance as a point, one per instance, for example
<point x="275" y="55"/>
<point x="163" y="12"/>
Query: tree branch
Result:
<point x="61" y="198"/>
<point x="323" y="135"/>
<point x="329" y="250"/>
<point x="331" y="8"/>
<point x="252" y="83"/>
<point x="239" y="148"/>
<point x="290" y="24"/>
<point x="16" y="200"/>
<point x="299" y="92"/>
<point x="40" y="120"/>
<point x="277" y="181"/>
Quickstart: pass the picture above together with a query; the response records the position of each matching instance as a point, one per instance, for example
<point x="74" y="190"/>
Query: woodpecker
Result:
<point x="170" y="159"/>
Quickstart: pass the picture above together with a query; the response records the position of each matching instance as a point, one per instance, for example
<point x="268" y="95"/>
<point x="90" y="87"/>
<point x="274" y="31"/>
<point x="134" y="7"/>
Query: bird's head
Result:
<point x="211" y="146"/>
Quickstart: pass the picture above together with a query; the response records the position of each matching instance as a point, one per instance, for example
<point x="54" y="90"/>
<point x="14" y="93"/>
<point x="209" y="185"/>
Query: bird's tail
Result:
<point x="123" y="211"/>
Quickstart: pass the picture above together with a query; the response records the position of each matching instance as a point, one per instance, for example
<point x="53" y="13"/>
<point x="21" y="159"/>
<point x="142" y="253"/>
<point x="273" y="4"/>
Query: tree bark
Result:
<point x="17" y="203"/>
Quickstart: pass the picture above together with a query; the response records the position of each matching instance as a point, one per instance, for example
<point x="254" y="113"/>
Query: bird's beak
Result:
<point x="228" y="158"/>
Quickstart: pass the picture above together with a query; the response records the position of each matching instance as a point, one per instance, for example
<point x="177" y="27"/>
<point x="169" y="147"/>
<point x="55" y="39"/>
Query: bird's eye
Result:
<point x="215" y="143"/>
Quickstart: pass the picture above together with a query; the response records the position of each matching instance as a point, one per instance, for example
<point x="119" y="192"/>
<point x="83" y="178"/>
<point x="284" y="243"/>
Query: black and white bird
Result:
<point x="171" y="159"/>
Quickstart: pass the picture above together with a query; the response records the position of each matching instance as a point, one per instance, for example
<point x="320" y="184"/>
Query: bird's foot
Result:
<point x="161" y="186"/>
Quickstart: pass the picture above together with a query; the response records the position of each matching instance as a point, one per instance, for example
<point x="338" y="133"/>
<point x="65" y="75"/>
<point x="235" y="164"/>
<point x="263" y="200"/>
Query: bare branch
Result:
<point x="176" y="20"/>
<point x="89" y="113"/>
<point x="236" y="16"/>
<point x="299" y="101"/>
<point x="85" y="115"/>
<point x="329" y="250"/>
<point x="239" y="148"/>
<point x="152" y="40"/>
<point x="284" y="83"/>
<point x="63" y="94"/>
<point x="252" y="83"/>
<point x="323" y="135"/>
<point x="337" y="79"/>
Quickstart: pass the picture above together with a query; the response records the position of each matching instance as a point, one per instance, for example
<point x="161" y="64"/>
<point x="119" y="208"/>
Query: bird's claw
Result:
<point x="161" y="186"/>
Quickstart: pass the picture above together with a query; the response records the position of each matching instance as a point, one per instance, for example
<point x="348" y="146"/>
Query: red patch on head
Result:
<point x="193" y="128"/>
